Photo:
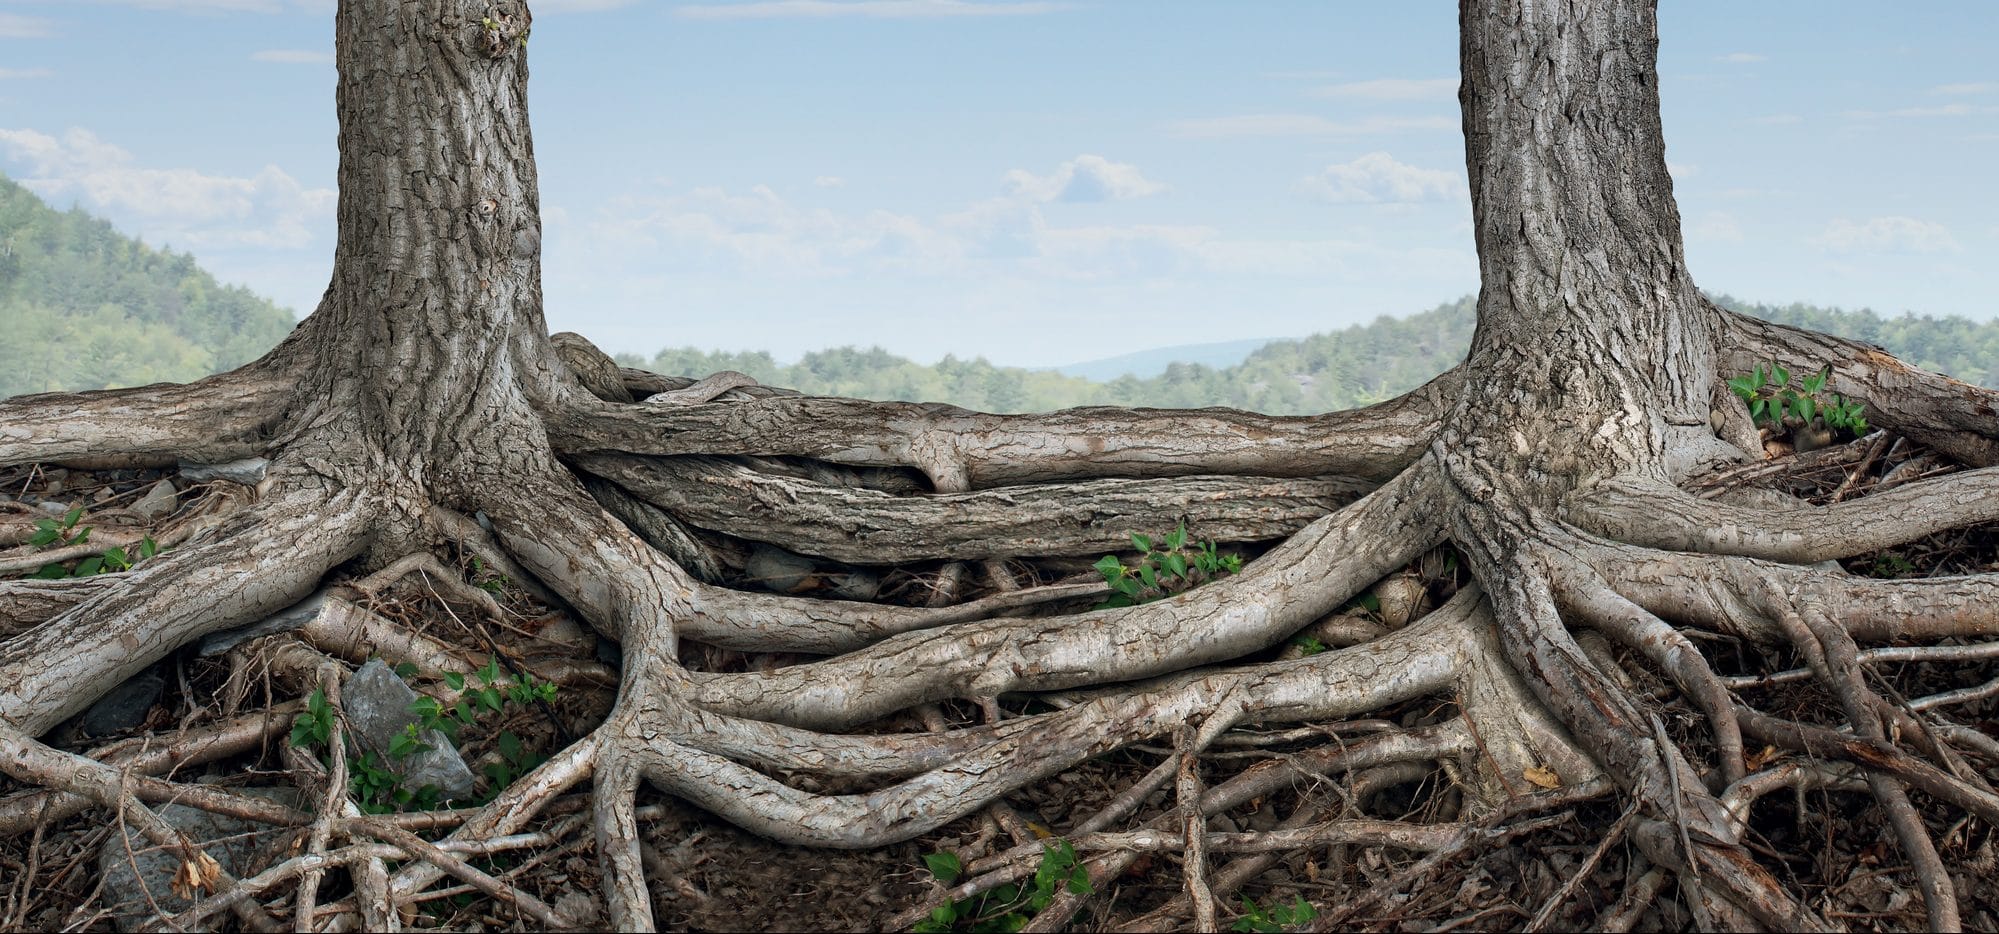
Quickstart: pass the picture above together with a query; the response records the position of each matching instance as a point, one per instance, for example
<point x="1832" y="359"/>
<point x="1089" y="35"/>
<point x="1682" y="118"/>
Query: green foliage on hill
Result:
<point x="84" y="307"/>
<point x="1325" y="372"/>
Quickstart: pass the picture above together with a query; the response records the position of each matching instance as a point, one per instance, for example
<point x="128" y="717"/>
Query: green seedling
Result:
<point x="1164" y="567"/>
<point x="1277" y="917"/>
<point x="1007" y="907"/>
<point x="1771" y="396"/>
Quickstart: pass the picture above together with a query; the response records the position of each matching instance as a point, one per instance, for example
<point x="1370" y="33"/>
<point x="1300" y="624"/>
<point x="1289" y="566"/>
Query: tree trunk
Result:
<point x="422" y="410"/>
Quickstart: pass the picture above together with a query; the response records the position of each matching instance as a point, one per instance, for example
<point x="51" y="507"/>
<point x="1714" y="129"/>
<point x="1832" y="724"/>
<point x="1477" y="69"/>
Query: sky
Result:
<point x="1032" y="181"/>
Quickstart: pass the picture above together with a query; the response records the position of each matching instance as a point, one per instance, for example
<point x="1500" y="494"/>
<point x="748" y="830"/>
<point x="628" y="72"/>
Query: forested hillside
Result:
<point x="1340" y="369"/>
<point x="85" y="307"/>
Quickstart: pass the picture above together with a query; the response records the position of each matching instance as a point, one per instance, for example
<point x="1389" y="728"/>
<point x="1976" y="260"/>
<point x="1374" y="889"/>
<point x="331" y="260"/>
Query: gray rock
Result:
<point x="53" y="507"/>
<point x="125" y="706"/>
<point x="778" y="570"/>
<point x="378" y="708"/>
<point x="248" y="471"/>
<point x="237" y="844"/>
<point x="285" y="620"/>
<point x="856" y="585"/>
<point x="158" y="501"/>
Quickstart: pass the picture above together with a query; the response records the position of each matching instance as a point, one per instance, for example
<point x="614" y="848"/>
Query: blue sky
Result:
<point x="1035" y="182"/>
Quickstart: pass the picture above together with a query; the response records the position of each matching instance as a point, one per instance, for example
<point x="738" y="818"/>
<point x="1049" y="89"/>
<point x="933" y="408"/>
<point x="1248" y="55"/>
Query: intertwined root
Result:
<point x="1535" y="664"/>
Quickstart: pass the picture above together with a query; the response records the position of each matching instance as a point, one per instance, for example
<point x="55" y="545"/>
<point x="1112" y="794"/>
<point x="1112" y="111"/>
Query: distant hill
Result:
<point x="85" y="307"/>
<point x="1149" y="363"/>
<point x="1325" y="372"/>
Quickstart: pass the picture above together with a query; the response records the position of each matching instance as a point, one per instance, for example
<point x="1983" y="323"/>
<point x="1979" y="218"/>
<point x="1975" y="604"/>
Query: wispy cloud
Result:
<point x="293" y="56"/>
<point x="1886" y="235"/>
<point x="1393" y="89"/>
<point x="1967" y="87"/>
<point x="1942" y="110"/>
<point x="1304" y="125"/>
<point x="7" y="73"/>
<point x="829" y="181"/>
<point x="182" y="206"/>
<point x="1742" y="58"/>
<point x="16" y="26"/>
<point x="1084" y="178"/>
<point x="1377" y="178"/>
<point x="866" y="9"/>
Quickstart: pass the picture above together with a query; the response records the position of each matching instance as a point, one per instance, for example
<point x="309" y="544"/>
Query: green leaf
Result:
<point x="510" y="746"/>
<point x="1776" y="410"/>
<point x="148" y="548"/>
<point x="1175" y="563"/>
<point x="1783" y="375"/>
<point x="490" y="697"/>
<point x="1148" y="575"/>
<point x="1757" y="408"/>
<point x="1178" y="538"/>
<point x="1128" y="587"/>
<point x="456" y="680"/>
<point x="490" y="672"/>
<point x="52" y="572"/>
<point x="945" y="913"/>
<point x="69" y="518"/>
<point x="1805" y="409"/>
<point x="405" y="670"/>
<point x="1740" y="386"/>
<point x="1756" y="378"/>
<point x="82" y="535"/>
<point x="1142" y="542"/>
<point x="945" y="868"/>
<point x="89" y="566"/>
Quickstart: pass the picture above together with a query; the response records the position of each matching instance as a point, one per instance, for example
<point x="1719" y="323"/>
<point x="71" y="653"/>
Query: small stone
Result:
<point x="378" y="707"/>
<point x="234" y="842"/>
<point x="285" y="620"/>
<point x="856" y="585"/>
<point x="248" y="471"/>
<point x="125" y="706"/>
<point x="158" y="501"/>
<point x="53" y="507"/>
<point x="778" y="570"/>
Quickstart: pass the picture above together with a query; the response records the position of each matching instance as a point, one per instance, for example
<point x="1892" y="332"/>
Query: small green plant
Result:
<point x="51" y="533"/>
<point x="1164" y="567"/>
<point x="375" y="785"/>
<point x="489" y="582"/>
<point x="1007" y="907"/>
<point x="1771" y="395"/>
<point x="1308" y="646"/>
<point x="1275" y="918"/>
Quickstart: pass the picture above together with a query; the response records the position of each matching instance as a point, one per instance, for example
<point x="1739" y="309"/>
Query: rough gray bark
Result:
<point x="425" y="391"/>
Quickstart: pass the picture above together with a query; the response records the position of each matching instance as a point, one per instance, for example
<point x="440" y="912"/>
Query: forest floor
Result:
<point x="1559" y="859"/>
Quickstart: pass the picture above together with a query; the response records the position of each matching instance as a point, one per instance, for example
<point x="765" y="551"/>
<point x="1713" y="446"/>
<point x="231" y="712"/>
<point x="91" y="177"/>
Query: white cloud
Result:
<point x="1742" y="58"/>
<point x="829" y="181"/>
<point x="869" y="9"/>
<point x="16" y="26"/>
<point x="1393" y="89"/>
<point x="10" y="73"/>
<point x="1377" y="178"/>
<point x="1084" y="178"/>
<point x="1944" y="110"/>
<point x="182" y="206"/>
<point x="293" y="56"/>
<point x="1968" y="87"/>
<point x="1719" y="227"/>
<point x="1304" y="125"/>
<point x="1886" y="235"/>
<point x="580" y="6"/>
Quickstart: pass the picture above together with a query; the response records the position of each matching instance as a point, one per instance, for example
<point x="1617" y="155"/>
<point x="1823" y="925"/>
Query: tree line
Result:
<point x="85" y="307"/>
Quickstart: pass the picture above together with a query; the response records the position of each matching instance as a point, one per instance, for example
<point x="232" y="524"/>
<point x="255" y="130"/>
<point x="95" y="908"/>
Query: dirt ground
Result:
<point x="1555" y="860"/>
